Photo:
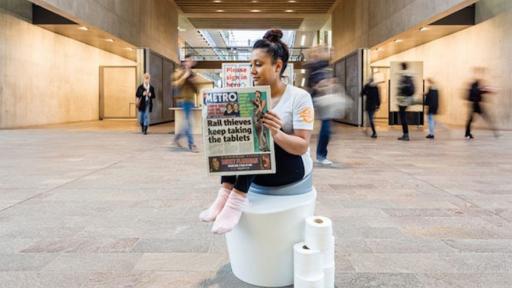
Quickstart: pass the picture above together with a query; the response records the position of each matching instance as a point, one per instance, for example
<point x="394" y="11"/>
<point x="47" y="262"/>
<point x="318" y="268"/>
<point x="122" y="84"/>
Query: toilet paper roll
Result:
<point x="329" y="273"/>
<point x="329" y="253"/>
<point x="318" y="236"/>
<point x="300" y="282"/>
<point x="318" y="233"/>
<point x="307" y="263"/>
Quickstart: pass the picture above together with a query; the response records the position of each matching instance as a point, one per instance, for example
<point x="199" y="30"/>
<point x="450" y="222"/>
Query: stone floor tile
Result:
<point x="59" y="279"/>
<point x="408" y="246"/>
<point x="14" y="245"/>
<point x="480" y="245"/>
<point x="25" y="262"/>
<point x="479" y="262"/>
<point x="116" y="262"/>
<point x="378" y="280"/>
<point x="170" y="245"/>
<point x="466" y="280"/>
<point x="181" y="262"/>
<point x="401" y="263"/>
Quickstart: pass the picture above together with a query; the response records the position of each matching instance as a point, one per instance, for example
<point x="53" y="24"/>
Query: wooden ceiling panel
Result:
<point x="265" y="6"/>
<point x="246" y="23"/>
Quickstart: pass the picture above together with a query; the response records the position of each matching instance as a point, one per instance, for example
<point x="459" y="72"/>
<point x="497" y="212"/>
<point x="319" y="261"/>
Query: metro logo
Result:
<point x="221" y="97"/>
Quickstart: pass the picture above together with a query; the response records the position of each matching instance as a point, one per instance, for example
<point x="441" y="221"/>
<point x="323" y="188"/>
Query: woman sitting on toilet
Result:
<point x="290" y="122"/>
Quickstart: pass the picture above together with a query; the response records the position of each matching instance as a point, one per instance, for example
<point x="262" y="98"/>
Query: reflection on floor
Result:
<point x="121" y="125"/>
<point x="99" y="205"/>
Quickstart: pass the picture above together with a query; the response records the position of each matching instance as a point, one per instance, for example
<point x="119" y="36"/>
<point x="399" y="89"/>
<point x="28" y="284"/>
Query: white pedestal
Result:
<point x="261" y="245"/>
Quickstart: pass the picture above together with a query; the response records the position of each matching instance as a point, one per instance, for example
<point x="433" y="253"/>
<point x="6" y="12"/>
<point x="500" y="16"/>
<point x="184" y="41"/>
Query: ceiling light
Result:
<point x="109" y="40"/>
<point x="398" y="41"/>
<point x="217" y="1"/>
<point x="303" y="71"/>
<point x="220" y="10"/>
<point x="255" y="10"/>
<point x="423" y="29"/>
<point x="289" y="11"/>
<point x="292" y="1"/>
<point x="254" y="1"/>
<point x="83" y="28"/>
<point x="303" y="40"/>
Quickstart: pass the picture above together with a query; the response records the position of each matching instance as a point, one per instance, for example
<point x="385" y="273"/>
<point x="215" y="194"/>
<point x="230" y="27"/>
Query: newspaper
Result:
<point x="236" y="142"/>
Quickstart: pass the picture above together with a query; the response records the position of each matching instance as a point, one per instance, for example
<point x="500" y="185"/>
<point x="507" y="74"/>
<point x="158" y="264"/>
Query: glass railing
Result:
<point x="232" y="53"/>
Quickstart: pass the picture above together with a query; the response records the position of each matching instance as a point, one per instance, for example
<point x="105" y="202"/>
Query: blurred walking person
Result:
<point x="371" y="91"/>
<point x="432" y="101"/>
<point x="476" y="96"/>
<point x="184" y="80"/>
<point x="319" y="82"/>
<point x="145" y="95"/>
<point x="405" y="95"/>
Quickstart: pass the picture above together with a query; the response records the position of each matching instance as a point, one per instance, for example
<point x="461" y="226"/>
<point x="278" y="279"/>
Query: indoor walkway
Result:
<point x="99" y="205"/>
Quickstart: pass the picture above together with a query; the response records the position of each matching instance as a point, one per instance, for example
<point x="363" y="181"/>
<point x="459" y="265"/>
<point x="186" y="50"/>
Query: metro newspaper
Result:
<point x="236" y="142"/>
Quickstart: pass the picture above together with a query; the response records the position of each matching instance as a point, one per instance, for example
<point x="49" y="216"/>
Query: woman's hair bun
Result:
<point x="273" y="35"/>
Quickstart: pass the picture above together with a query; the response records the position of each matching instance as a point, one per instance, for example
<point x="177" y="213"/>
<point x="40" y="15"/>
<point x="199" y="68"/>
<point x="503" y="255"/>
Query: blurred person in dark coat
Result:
<point x="371" y="91"/>
<point x="432" y="101"/>
<point x="145" y="95"/>
<point x="477" y="91"/>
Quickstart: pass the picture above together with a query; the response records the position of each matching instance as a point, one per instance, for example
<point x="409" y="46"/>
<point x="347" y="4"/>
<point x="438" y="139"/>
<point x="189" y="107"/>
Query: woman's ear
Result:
<point x="279" y="66"/>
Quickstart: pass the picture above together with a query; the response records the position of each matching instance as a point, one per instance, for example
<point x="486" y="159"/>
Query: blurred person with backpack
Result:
<point x="406" y="91"/>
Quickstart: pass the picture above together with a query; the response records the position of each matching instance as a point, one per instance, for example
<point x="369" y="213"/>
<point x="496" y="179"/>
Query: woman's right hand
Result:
<point x="272" y="121"/>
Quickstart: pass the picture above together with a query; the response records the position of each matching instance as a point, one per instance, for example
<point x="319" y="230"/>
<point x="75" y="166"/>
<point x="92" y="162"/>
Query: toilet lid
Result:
<point x="263" y="204"/>
<point x="301" y="187"/>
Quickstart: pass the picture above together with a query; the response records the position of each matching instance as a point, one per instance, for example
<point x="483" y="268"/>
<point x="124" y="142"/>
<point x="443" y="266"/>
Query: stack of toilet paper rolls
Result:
<point x="314" y="258"/>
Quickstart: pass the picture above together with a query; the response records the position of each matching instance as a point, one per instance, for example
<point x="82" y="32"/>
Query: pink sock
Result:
<point x="230" y="214"/>
<point x="209" y="214"/>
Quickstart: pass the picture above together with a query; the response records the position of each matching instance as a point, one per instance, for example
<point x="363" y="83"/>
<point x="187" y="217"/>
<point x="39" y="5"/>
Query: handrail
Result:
<point x="239" y="53"/>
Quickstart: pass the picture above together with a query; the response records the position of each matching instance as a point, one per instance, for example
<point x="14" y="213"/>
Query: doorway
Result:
<point x="118" y="85"/>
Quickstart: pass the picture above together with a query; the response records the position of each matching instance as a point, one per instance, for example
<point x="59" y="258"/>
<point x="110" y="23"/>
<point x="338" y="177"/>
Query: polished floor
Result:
<point x="99" y="205"/>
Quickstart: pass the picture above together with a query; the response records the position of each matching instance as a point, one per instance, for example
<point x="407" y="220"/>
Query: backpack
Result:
<point x="407" y="86"/>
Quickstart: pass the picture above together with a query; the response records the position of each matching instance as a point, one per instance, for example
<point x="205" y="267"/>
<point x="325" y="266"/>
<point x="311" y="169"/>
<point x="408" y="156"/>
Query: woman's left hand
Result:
<point x="272" y="122"/>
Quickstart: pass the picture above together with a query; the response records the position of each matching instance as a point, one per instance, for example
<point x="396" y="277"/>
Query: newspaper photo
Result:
<point x="235" y="139"/>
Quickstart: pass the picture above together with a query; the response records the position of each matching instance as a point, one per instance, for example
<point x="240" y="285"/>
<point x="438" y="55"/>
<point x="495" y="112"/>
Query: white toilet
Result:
<point x="261" y="245"/>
